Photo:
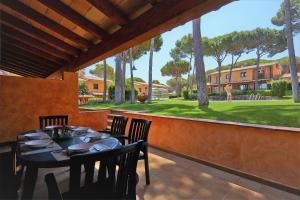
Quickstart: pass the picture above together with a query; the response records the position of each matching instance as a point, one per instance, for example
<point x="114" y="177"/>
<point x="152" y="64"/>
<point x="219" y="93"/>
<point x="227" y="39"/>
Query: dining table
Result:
<point x="57" y="151"/>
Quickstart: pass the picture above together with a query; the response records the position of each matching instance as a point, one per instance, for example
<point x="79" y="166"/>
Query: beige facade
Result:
<point x="243" y="78"/>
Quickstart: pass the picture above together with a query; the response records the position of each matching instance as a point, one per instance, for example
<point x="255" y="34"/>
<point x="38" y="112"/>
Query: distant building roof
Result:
<point x="91" y="77"/>
<point x="154" y="85"/>
<point x="246" y="67"/>
<point x="289" y="75"/>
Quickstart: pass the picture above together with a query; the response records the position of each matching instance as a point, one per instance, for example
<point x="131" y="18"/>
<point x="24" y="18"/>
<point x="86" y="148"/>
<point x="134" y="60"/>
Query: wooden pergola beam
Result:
<point x="12" y="33"/>
<point x="25" y="47"/>
<point x="146" y="26"/>
<point x="112" y="12"/>
<point x="30" y="67"/>
<point x="16" y="71"/>
<point x="21" y="68"/>
<point x="27" y="62"/>
<point x="17" y="52"/>
<point x="45" y="21"/>
<point x="43" y="36"/>
<point x="75" y="17"/>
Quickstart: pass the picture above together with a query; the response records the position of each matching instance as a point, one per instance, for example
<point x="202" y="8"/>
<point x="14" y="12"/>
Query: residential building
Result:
<point x="142" y="88"/>
<point x="287" y="76"/>
<point x="243" y="78"/>
<point x="95" y="85"/>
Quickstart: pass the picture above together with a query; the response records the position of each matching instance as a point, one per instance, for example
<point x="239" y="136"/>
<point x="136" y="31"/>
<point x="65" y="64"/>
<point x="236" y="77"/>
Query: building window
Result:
<point x="140" y="90"/>
<point x="263" y="86"/>
<point x="227" y="76"/>
<point x="243" y="74"/>
<point x="217" y="80"/>
<point x="95" y="86"/>
<point x="244" y="87"/>
<point x="209" y="78"/>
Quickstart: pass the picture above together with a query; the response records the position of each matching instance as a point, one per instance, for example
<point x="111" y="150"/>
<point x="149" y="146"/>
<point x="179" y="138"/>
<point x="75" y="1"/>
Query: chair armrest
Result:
<point x="104" y="131"/>
<point x="53" y="190"/>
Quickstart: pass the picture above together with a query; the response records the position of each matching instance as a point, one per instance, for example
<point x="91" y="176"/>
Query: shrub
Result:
<point x="142" y="98"/>
<point x="289" y="85"/>
<point x="172" y="96"/>
<point x="111" y="92"/>
<point x="186" y="94"/>
<point x="82" y="89"/>
<point x="279" y="88"/>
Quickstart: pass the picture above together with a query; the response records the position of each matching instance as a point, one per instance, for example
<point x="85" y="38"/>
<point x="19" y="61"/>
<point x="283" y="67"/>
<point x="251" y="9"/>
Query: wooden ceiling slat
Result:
<point x="147" y="25"/>
<point x="75" y="17"/>
<point x="152" y="2"/>
<point x="31" y="49"/>
<point x="108" y="9"/>
<point x="43" y="36"/>
<point x="21" y="69"/>
<point x="26" y="61"/>
<point x="18" y="52"/>
<point x="15" y="71"/>
<point x="12" y="33"/>
<point x="38" y="70"/>
<point x="45" y="21"/>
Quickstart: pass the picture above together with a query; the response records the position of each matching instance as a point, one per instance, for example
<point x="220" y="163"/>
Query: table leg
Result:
<point x="29" y="182"/>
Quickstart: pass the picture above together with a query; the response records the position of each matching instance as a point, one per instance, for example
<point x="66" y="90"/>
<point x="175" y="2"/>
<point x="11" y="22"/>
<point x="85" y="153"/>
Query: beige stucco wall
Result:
<point x="23" y="100"/>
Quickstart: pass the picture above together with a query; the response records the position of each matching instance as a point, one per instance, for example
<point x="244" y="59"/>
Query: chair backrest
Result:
<point x="117" y="182"/>
<point x="118" y="125"/>
<point x="8" y="187"/>
<point x="53" y="120"/>
<point x="138" y="130"/>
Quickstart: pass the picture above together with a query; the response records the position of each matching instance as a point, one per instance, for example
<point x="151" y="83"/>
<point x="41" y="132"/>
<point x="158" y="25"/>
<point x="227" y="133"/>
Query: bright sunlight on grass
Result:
<point x="276" y="112"/>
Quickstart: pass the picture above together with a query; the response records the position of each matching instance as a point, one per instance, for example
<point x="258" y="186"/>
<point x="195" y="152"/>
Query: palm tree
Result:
<point x="199" y="65"/>
<point x="150" y="71"/>
<point x="292" y="58"/>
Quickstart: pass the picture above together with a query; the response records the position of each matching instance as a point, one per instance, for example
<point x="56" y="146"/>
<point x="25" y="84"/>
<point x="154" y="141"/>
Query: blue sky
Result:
<point x="236" y="16"/>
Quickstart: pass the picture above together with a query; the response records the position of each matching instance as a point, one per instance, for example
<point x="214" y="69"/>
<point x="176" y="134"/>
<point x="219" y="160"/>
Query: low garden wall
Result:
<point x="268" y="152"/>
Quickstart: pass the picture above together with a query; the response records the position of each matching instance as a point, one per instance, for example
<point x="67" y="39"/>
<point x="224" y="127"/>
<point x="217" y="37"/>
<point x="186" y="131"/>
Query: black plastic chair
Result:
<point x="118" y="126"/>
<point x="139" y="130"/>
<point x="10" y="172"/>
<point x="112" y="182"/>
<point x="53" y="120"/>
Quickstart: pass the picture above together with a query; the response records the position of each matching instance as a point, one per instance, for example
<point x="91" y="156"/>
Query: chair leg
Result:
<point x="146" y="162"/>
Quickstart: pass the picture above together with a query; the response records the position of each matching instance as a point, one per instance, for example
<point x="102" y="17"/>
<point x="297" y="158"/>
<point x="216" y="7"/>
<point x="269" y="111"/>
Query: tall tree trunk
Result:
<point x="219" y="76"/>
<point x="257" y="69"/>
<point x="123" y="79"/>
<point x="132" y="99"/>
<point x="104" y="79"/>
<point x="177" y="86"/>
<point x="118" y="79"/>
<point x="233" y="63"/>
<point x="231" y="67"/>
<point x="199" y="65"/>
<point x="292" y="58"/>
<point x="192" y="82"/>
<point x="150" y="71"/>
<point x="188" y="84"/>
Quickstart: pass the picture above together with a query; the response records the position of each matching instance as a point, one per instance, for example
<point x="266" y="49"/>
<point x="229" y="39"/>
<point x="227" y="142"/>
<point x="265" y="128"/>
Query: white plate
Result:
<point x="37" y="143"/>
<point x="95" y="135"/>
<point x="53" y="127"/>
<point x="34" y="136"/>
<point x="82" y="147"/>
<point x="81" y="129"/>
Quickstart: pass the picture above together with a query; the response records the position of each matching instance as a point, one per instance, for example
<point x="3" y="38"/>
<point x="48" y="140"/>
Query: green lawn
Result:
<point x="276" y="112"/>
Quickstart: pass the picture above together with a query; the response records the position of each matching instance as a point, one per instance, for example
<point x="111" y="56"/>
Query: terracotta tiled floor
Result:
<point x="174" y="178"/>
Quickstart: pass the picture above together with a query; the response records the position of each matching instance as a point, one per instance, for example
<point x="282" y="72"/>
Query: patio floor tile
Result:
<point x="174" y="177"/>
